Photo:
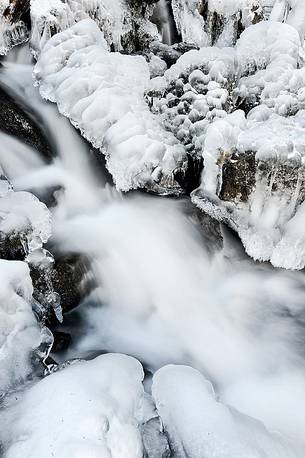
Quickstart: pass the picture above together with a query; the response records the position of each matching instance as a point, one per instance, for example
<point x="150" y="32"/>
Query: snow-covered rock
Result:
<point x="198" y="425"/>
<point x="253" y="158"/>
<point x="20" y="333"/>
<point x="88" y="409"/>
<point x="102" y="93"/>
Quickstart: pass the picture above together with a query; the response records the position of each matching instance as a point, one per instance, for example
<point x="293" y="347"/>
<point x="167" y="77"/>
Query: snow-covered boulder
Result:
<point x="198" y="425"/>
<point x="92" y="408"/>
<point x="102" y="94"/>
<point x="20" y="333"/>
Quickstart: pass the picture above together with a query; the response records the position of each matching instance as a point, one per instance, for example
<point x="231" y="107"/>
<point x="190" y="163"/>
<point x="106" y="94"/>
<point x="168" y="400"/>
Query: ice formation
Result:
<point x="198" y="425"/>
<point x="12" y="32"/>
<point x="88" y="409"/>
<point x="242" y="109"/>
<point x="19" y="331"/>
<point x="102" y="94"/>
<point x="117" y="19"/>
<point x="215" y="22"/>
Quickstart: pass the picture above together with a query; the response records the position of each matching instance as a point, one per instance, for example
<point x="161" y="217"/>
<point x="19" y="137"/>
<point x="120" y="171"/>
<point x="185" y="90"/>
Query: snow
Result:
<point x="19" y="331"/>
<point x="86" y="410"/>
<point x="102" y="94"/>
<point x="198" y="425"/>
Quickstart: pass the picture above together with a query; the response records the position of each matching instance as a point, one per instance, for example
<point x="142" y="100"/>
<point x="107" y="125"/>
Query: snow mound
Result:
<point x="88" y="409"/>
<point x="102" y="93"/>
<point x="19" y="330"/>
<point x="198" y="425"/>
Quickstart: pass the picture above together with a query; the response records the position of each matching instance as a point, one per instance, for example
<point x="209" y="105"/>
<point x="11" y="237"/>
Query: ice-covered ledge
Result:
<point x="102" y="94"/>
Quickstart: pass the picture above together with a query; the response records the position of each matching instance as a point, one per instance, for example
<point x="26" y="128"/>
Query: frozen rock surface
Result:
<point x="102" y="94"/>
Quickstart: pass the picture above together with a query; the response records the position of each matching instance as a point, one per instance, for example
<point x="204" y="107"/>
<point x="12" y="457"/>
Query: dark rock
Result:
<point x="189" y="178"/>
<point x="62" y="285"/>
<point x="18" y="10"/>
<point x="19" y="121"/>
<point x="155" y="440"/>
<point x="61" y="341"/>
<point x="238" y="177"/>
<point x="13" y="247"/>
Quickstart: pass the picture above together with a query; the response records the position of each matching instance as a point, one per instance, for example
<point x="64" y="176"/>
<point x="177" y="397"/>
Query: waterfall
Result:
<point x="165" y="21"/>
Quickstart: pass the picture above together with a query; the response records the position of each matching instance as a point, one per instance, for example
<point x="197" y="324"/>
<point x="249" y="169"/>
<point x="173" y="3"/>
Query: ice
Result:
<point x="214" y="22"/>
<point x="269" y="86"/>
<point x="11" y="33"/>
<point x="19" y="330"/>
<point x="269" y="54"/>
<point x="88" y="409"/>
<point x="117" y="19"/>
<point x="199" y="425"/>
<point x="291" y="11"/>
<point x="190" y="23"/>
<point x="102" y="94"/>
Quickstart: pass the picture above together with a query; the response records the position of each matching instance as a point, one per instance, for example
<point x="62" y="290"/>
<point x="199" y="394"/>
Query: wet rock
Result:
<point x="238" y="177"/>
<point x="61" y="341"/>
<point x="61" y="285"/>
<point x="155" y="441"/>
<point x="19" y="121"/>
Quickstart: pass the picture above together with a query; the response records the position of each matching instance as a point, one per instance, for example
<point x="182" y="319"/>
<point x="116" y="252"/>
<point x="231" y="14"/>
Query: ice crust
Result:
<point x="102" y="94"/>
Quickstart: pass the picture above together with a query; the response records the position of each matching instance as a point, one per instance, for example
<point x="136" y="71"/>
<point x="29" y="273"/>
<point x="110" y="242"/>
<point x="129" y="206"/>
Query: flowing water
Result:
<point x="165" y="292"/>
<point x="165" y="22"/>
